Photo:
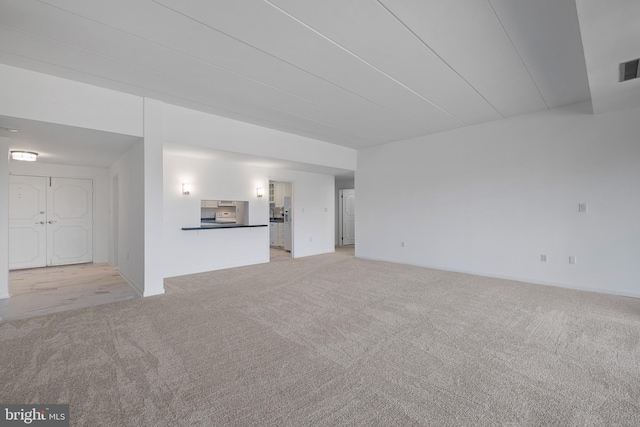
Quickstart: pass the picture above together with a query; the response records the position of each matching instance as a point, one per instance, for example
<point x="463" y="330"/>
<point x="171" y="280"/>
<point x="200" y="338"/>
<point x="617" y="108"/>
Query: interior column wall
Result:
<point x="153" y="194"/>
<point x="130" y="262"/>
<point x="4" y="218"/>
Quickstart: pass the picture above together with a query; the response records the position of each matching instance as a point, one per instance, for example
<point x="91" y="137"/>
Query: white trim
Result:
<point x="150" y="294"/>
<point x="5" y="295"/>
<point x="138" y="290"/>
<point x="518" y="279"/>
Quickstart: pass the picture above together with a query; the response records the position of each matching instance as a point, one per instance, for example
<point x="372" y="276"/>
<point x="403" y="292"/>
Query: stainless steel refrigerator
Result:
<point x="287" y="223"/>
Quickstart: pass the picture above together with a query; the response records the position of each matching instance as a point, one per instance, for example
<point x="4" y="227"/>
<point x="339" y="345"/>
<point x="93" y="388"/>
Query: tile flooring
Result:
<point x="38" y="291"/>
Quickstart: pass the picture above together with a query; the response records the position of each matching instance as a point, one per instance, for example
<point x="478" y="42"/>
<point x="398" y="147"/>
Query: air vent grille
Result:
<point x="629" y="70"/>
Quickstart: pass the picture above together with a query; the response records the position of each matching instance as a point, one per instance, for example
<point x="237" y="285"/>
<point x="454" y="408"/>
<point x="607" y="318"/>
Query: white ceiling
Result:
<point x="357" y="73"/>
<point x="61" y="144"/>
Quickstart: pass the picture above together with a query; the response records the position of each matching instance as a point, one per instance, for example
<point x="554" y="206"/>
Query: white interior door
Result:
<point x="348" y="213"/>
<point x="27" y="221"/>
<point x="69" y="221"/>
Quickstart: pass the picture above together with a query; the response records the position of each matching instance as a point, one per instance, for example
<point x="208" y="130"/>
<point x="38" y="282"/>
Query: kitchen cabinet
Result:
<point x="281" y="235"/>
<point x="273" y="234"/>
<point x="278" y="198"/>
<point x="276" y="234"/>
<point x="280" y="190"/>
<point x="209" y="204"/>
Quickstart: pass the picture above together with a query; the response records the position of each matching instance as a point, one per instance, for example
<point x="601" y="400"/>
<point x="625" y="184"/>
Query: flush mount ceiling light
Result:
<point x="9" y="129"/>
<point x="25" y="156"/>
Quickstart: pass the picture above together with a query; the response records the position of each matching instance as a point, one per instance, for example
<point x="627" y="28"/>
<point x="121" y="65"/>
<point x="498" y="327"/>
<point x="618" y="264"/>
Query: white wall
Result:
<point x="100" y="177"/>
<point x="130" y="260"/>
<point x="188" y="252"/>
<point x="4" y="218"/>
<point x="187" y="126"/>
<point x="36" y="96"/>
<point x="490" y="199"/>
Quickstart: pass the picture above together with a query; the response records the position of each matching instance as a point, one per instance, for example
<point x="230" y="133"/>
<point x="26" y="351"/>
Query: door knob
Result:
<point x="51" y="222"/>
<point x="41" y="222"/>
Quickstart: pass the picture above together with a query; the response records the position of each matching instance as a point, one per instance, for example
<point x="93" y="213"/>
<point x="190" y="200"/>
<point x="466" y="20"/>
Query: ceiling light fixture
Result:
<point x="24" y="156"/>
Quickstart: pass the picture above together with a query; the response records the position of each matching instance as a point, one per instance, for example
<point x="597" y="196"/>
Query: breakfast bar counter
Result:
<point x="217" y="226"/>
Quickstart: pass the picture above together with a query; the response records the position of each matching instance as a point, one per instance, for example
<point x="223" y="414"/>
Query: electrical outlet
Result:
<point x="543" y="258"/>
<point x="402" y="244"/>
<point x="572" y="260"/>
<point x="582" y="207"/>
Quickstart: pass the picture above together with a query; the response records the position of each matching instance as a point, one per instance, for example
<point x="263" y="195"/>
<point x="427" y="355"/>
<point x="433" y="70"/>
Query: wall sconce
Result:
<point x="186" y="189"/>
<point x="260" y="191"/>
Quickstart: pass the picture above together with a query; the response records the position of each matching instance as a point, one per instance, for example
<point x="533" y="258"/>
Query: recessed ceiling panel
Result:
<point x="610" y="35"/>
<point x="357" y="73"/>
<point x="468" y="36"/>
<point x="268" y="29"/>
<point x="371" y="32"/>
<point x="47" y="50"/>
<point x="197" y="42"/>
<point x="547" y="36"/>
<point x="172" y="65"/>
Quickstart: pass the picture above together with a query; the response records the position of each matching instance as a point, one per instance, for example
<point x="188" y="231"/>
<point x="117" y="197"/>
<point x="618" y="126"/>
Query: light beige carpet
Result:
<point x="334" y="340"/>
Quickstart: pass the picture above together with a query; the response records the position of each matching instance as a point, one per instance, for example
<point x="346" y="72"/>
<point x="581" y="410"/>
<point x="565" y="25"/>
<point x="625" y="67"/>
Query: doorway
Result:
<point x="280" y="220"/>
<point x="50" y="221"/>
<point x="51" y="226"/>
<point x="347" y="217"/>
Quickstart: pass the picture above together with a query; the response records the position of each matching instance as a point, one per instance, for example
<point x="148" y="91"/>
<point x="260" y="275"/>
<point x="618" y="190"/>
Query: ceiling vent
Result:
<point x="629" y="70"/>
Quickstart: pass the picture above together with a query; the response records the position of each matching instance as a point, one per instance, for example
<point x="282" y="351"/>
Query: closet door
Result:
<point x="27" y="221"/>
<point x="69" y="221"/>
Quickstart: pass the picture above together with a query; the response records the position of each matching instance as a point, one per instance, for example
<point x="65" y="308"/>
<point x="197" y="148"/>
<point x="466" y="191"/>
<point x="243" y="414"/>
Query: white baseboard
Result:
<point x="150" y="294"/>
<point x="131" y="283"/>
<point x="5" y="295"/>
<point x="622" y="293"/>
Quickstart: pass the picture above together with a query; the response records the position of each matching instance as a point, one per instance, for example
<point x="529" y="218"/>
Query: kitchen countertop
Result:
<point x="216" y="226"/>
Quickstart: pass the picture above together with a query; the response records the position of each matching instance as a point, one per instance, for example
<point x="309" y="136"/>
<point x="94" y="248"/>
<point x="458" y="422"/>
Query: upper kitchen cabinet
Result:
<point x="278" y="191"/>
<point x="209" y="203"/>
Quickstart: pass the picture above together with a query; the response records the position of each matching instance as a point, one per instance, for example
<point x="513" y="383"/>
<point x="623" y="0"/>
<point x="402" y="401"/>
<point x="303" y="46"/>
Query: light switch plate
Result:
<point x="582" y="207"/>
